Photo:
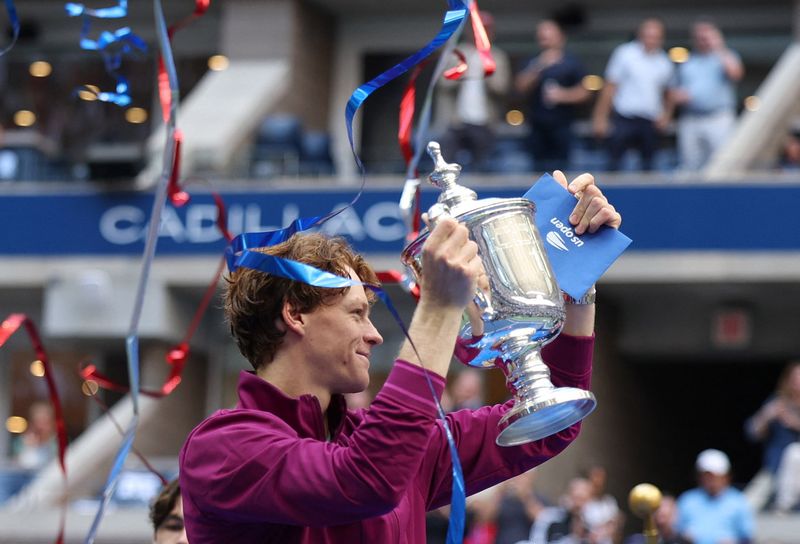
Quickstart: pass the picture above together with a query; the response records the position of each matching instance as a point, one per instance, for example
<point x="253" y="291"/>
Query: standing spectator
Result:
<point x="714" y="512"/>
<point x="637" y="78"/>
<point x="470" y="107"/>
<point x="602" y="511"/>
<point x="37" y="446"/>
<point x="552" y="85"/>
<point x="706" y="95"/>
<point x="565" y="524"/>
<point x="777" y="424"/>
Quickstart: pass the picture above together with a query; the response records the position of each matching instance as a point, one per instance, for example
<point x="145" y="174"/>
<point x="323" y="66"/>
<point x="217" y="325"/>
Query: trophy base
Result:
<point x="547" y="414"/>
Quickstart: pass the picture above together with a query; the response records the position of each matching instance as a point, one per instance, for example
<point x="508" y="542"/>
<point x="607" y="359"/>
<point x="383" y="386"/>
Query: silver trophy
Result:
<point x="522" y="311"/>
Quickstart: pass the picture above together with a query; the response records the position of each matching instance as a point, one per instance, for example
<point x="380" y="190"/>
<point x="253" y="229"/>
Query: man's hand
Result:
<point x="593" y="209"/>
<point x="451" y="271"/>
<point x="451" y="266"/>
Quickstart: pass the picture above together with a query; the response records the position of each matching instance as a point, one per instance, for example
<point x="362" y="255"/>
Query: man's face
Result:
<point x="339" y="339"/>
<point x="651" y="34"/>
<point x="713" y="484"/>
<point x="549" y="35"/>
<point x="171" y="530"/>
<point x="705" y="36"/>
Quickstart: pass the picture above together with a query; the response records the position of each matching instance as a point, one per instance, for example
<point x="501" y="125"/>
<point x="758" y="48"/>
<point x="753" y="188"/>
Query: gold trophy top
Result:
<point x="644" y="499"/>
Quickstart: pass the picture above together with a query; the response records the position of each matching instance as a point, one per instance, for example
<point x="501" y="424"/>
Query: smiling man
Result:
<point x="292" y="464"/>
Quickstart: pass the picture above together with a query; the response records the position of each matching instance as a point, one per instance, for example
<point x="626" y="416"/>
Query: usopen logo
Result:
<point x="554" y="238"/>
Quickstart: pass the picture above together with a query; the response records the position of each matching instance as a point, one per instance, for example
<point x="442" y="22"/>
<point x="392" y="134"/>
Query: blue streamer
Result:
<point x="114" y="12"/>
<point x="14" y="20"/>
<point x="112" y="45"/>
<point x="132" y="338"/>
<point x="452" y="21"/>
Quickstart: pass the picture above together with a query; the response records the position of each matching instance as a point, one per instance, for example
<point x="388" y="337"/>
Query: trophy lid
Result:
<point x="445" y="176"/>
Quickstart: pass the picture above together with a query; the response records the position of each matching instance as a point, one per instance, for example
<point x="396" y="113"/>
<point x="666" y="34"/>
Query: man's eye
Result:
<point x="173" y="527"/>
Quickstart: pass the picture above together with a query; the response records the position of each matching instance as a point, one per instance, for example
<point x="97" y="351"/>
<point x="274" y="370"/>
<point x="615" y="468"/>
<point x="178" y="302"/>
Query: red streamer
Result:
<point x="482" y="43"/>
<point x="407" y="105"/>
<point x="457" y="71"/>
<point x="177" y="196"/>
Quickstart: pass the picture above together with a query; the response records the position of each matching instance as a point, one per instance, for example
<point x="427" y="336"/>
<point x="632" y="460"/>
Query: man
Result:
<point x="471" y="107"/>
<point x="166" y="513"/>
<point x="706" y="95"/>
<point x="715" y="512"/>
<point x="637" y="78"/>
<point x="565" y="524"/>
<point x="552" y="83"/>
<point x="291" y="464"/>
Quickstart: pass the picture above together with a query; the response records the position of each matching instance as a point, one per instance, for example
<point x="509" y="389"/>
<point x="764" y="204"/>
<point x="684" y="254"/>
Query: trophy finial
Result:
<point x="644" y="500"/>
<point x="444" y="175"/>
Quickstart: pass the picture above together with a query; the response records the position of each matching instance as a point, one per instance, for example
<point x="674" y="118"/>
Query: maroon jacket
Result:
<point x="264" y="471"/>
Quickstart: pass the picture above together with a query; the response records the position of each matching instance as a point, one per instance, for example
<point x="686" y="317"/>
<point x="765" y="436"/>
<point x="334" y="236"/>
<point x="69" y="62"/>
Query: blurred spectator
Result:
<point x="467" y="390"/>
<point x="665" y="517"/>
<point x="790" y="155"/>
<point x="166" y="514"/>
<point x="518" y="509"/>
<point x="482" y="515"/>
<point x="37" y="446"/>
<point x="637" y="78"/>
<point x="602" y="511"/>
<point x="706" y="95"/>
<point x="565" y="524"/>
<point x="777" y="424"/>
<point x="469" y="108"/>
<point x="787" y="486"/>
<point x="552" y="85"/>
<point x="714" y="512"/>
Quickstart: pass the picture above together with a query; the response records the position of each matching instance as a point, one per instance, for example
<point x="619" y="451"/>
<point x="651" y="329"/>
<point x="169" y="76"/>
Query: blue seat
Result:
<point x="278" y="146"/>
<point x="315" y="154"/>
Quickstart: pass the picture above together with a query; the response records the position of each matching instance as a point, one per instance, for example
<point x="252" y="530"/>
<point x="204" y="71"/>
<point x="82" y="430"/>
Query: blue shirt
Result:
<point x="707" y="520"/>
<point x="710" y="91"/>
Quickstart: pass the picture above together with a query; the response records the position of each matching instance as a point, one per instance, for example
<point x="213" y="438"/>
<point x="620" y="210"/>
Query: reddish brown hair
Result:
<point x="254" y="300"/>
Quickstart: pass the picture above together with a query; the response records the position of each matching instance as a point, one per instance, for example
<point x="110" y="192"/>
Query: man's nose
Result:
<point x="373" y="337"/>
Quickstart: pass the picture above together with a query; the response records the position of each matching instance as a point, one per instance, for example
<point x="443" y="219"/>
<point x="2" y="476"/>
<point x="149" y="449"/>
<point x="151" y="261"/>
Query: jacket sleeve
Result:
<point x="484" y="463"/>
<point x="250" y="466"/>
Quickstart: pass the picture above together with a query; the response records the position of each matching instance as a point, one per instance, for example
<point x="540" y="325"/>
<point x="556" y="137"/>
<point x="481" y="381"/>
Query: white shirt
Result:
<point x="641" y="79"/>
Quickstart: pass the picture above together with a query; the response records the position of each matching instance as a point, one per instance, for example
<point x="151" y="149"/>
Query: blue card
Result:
<point x="578" y="261"/>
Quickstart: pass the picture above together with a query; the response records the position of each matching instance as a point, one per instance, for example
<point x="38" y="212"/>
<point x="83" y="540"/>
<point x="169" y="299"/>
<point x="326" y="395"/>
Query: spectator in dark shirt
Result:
<point x="552" y="85"/>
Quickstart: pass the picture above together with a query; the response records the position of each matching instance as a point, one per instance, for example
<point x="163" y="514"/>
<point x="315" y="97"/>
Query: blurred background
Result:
<point x="696" y="321"/>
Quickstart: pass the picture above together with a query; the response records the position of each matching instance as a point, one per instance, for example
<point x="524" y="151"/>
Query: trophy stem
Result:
<point x="540" y="409"/>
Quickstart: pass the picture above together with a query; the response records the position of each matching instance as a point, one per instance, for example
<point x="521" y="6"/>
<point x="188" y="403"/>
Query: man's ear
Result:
<point x="292" y="318"/>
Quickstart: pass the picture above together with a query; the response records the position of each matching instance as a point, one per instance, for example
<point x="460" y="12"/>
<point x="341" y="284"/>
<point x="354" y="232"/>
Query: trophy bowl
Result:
<point x="507" y="326"/>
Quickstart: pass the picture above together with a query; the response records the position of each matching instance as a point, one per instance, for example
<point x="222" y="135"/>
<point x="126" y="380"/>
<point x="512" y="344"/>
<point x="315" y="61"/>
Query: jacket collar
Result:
<point x="303" y="414"/>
